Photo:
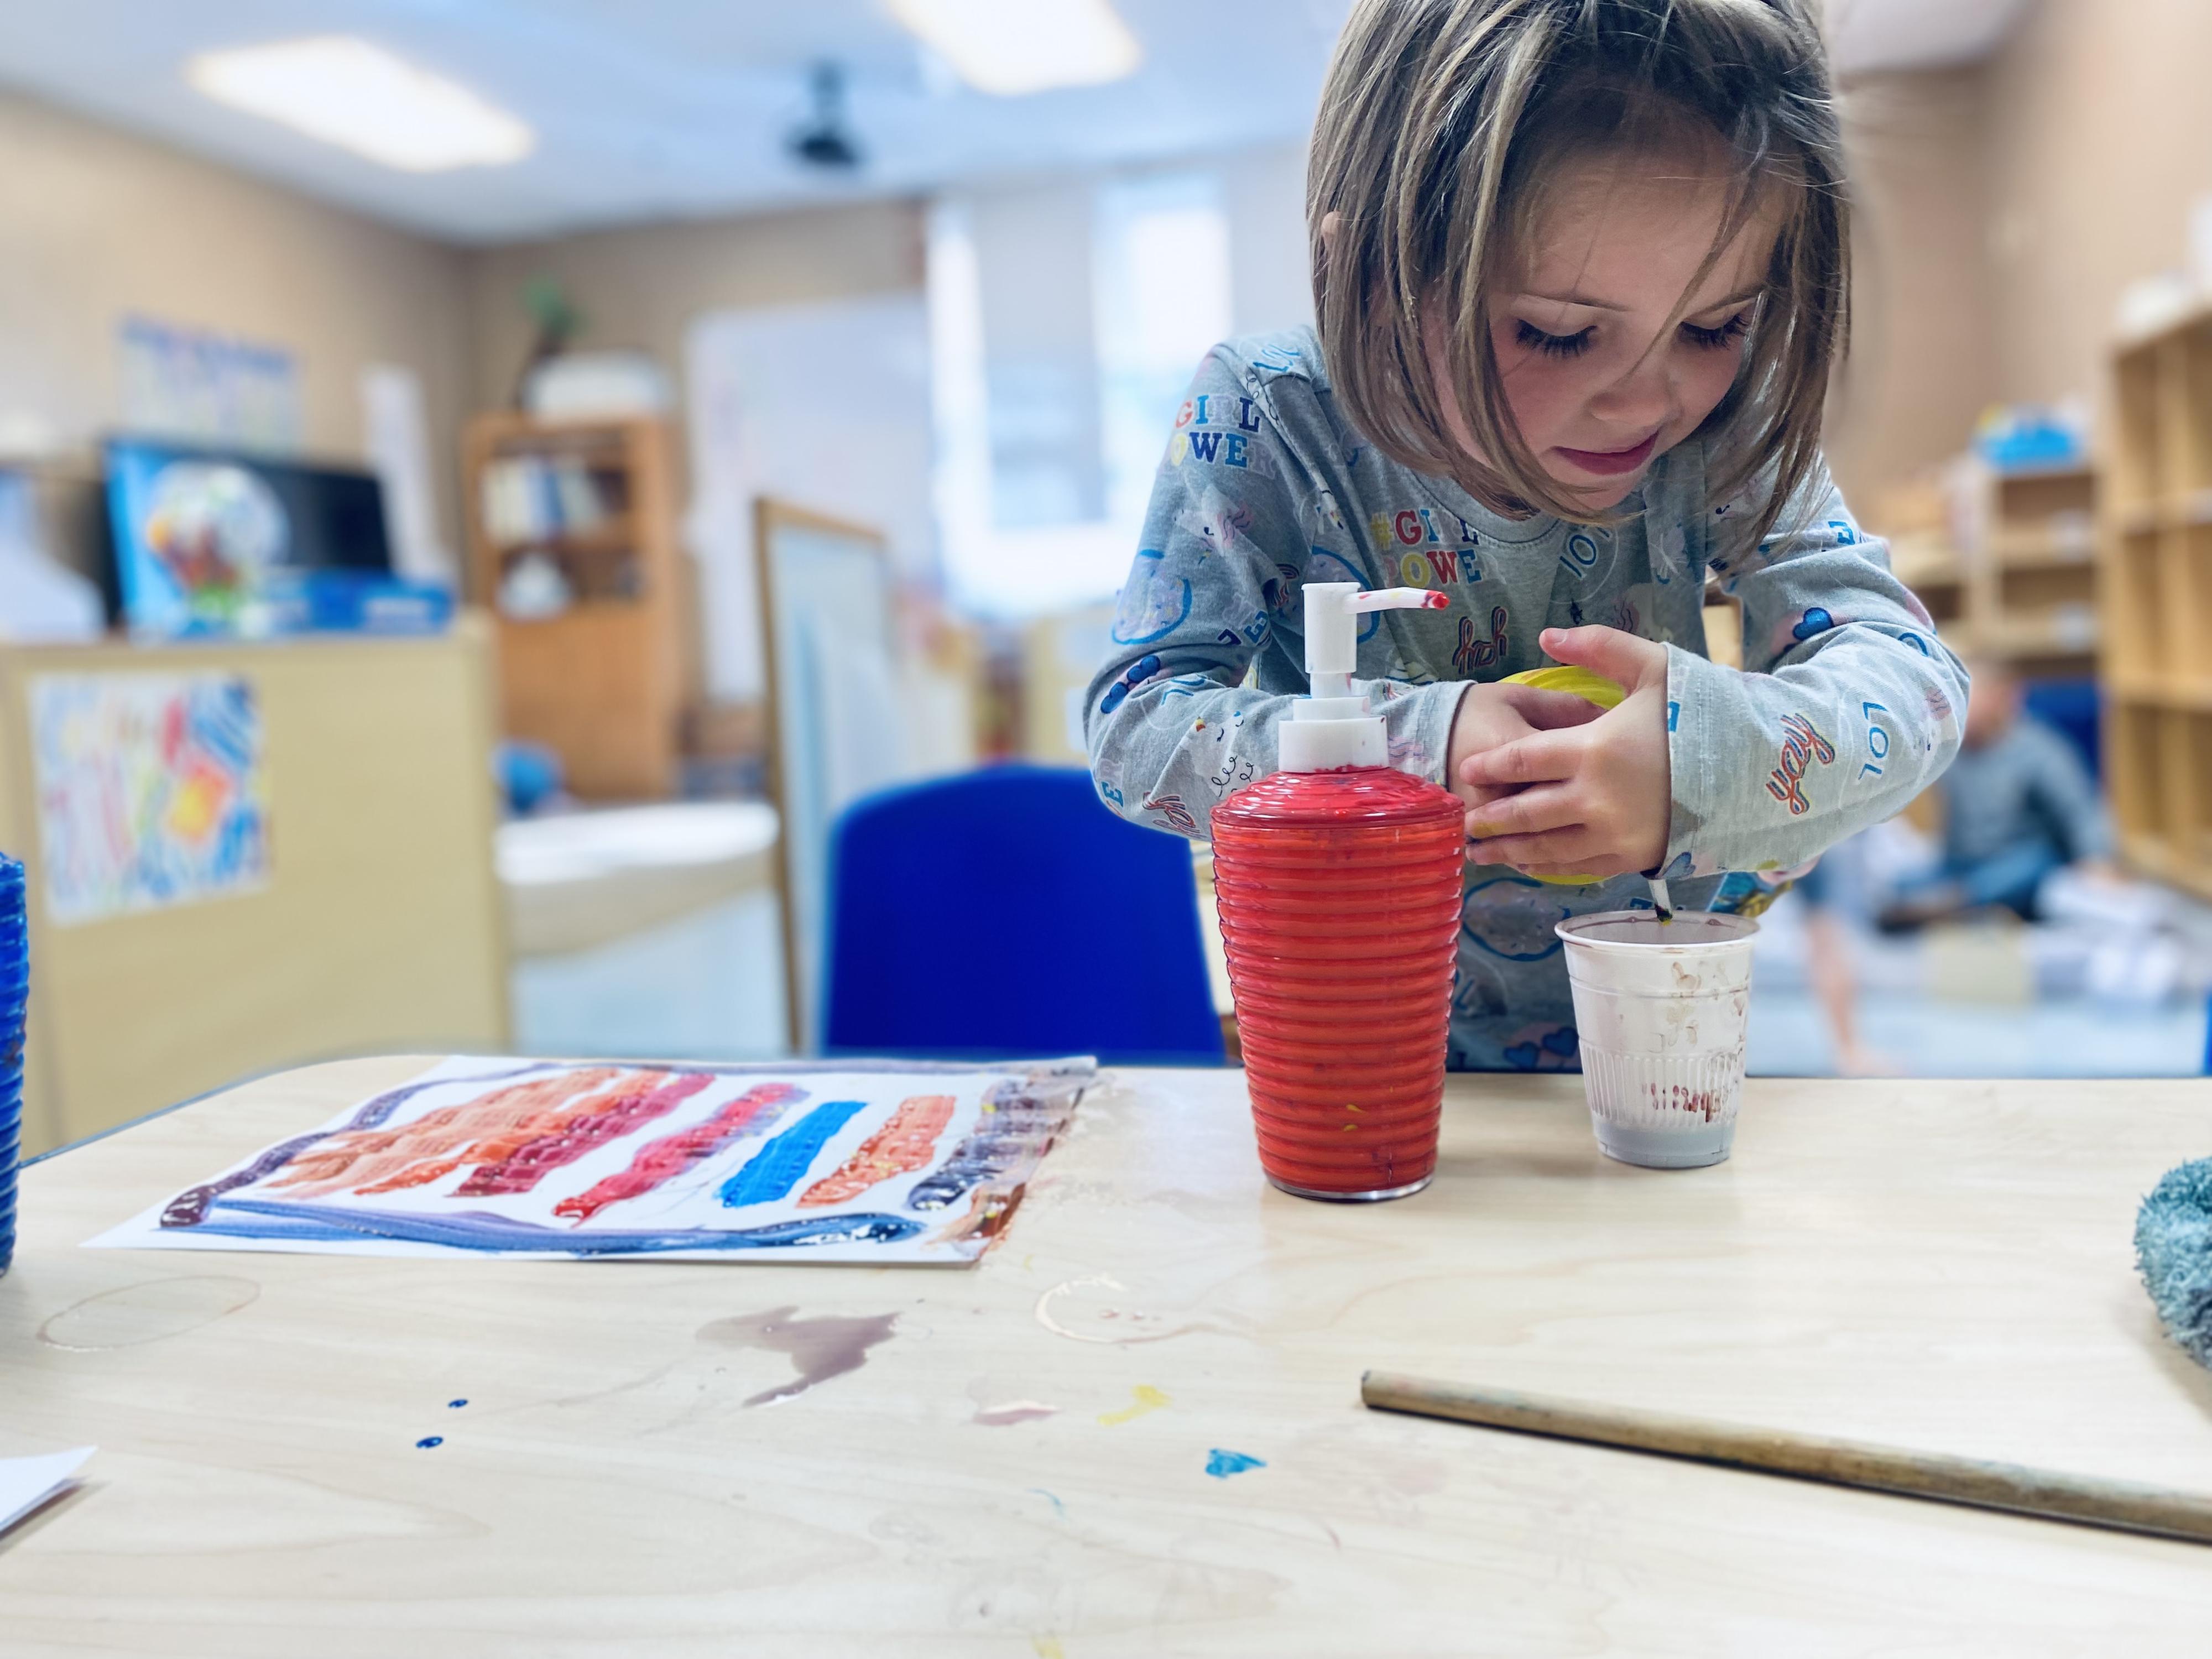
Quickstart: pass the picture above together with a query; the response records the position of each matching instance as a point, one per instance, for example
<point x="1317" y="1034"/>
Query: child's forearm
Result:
<point x="1850" y="707"/>
<point x="1171" y="747"/>
<point x="1771" y="769"/>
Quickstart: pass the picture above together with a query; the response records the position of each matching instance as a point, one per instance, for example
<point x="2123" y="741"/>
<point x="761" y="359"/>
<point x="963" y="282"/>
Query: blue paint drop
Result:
<point x="429" y="1441"/>
<point x="455" y="1405"/>
<point x="1222" y="1464"/>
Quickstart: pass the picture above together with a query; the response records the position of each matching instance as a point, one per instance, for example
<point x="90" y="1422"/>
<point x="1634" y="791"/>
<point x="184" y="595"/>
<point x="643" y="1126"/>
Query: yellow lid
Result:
<point x="1593" y="687"/>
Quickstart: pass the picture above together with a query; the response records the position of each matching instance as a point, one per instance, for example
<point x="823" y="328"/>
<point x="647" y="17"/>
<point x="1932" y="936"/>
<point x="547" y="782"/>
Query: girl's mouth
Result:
<point x="1609" y="462"/>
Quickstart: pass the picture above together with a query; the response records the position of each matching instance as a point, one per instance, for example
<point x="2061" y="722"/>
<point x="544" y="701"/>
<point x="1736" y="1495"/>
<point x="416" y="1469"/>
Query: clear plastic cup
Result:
<point x="1661" y="1009"/>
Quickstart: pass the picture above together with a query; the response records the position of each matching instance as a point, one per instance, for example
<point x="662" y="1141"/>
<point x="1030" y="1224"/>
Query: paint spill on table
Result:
<point x="429" y="1440"/>
<point x="146" y="1312"/>
<point x="1076" y="1299"/>
<point x="818" y="1349"/>
<point x="1147" y="1398"/>
<point x="1008" y="1413"/>
<point x="1222" y="1464"/>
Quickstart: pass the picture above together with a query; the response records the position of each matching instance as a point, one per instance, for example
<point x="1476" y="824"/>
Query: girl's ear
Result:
<point x="1329" y="221"/>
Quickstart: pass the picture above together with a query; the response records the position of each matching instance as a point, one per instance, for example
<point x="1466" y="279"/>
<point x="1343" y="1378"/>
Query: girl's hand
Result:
<point x="1492" y="715"/>
<point x="1590" y="799"/>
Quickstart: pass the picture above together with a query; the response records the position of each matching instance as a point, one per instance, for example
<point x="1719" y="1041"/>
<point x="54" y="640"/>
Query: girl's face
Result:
<point x="1600" y="374"/>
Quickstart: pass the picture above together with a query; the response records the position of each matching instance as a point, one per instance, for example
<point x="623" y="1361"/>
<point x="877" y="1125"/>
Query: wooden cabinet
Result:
<point x="376" y="924"/>
<point x="573" y="542"/>
<point x="2155" y="579"/>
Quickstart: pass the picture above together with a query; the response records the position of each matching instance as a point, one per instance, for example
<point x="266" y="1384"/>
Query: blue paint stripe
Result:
<point x="774" y="1169"/>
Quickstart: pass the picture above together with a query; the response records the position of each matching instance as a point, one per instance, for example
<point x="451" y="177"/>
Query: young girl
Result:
<point x="1581" y="271"/>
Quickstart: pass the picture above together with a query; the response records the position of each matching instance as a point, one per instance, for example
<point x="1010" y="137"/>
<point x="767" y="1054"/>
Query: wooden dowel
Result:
<point x="2087" y="1501"/>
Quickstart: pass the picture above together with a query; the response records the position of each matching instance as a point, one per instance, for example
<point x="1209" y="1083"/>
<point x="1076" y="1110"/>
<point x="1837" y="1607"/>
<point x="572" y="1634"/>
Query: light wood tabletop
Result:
<point x="1019" y="1462"/>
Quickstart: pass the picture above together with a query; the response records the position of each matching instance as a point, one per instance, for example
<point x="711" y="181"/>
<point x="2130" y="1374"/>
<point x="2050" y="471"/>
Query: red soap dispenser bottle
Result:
<point x="1339" y="881"/>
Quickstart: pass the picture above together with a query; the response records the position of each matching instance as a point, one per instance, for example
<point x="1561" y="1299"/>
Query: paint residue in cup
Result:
<point x="1699" y="1103"/>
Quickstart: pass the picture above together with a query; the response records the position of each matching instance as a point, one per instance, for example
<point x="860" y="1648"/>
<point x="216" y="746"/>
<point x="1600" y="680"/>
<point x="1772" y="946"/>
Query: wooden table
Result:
<point x="1940" y="1265"/>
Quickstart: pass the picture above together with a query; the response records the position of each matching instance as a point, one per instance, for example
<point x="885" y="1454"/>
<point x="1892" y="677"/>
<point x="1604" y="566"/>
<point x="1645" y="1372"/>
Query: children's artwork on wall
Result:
<point x="545" y="1159"/>
<point x="152" y="788"/>
<point x="192" y="382"/>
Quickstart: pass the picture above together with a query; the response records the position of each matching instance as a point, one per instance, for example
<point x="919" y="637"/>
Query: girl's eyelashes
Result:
<point x="1533" y="338"/>
<point x="1553" y="346"/>
<point x="1714" y="338"/>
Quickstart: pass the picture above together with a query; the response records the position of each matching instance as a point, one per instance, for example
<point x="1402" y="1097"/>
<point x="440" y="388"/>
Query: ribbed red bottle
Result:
<point x="1340" y="894"/>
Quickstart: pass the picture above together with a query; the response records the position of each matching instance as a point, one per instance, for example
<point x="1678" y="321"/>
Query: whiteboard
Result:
<point x="774" y="410"/>
<point x="836" y="725"/>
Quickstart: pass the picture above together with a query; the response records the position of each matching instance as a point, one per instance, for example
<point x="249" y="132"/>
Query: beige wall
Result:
<point x="2004" y="210"/>
<point x="644" y="285"/>
<point x="1924" y="361"/>
<point x="96" y="224"/>
<point x="2100" y="136"/>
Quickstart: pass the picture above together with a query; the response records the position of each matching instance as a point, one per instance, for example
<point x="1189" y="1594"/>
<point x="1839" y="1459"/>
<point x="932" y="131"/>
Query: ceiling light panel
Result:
<point x="356" y="94"/>
<point x="1010" y="47"/>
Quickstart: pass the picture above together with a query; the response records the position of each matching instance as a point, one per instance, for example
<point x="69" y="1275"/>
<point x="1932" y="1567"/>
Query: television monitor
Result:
<point x="212" y="541"/>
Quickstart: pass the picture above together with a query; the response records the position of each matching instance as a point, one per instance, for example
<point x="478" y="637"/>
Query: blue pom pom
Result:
<point x="2174" y="1253"/>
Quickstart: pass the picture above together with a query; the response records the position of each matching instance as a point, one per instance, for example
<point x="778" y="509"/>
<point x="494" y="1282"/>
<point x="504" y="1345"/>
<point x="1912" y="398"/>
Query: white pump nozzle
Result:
<point x="1333" y="727"/>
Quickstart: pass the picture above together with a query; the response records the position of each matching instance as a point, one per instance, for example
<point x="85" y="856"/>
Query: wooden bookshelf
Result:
<point x="2030" y="542"/>
<point x="1916" y="519"/>
<point x="2154" y="577"/>
<point x="605" y="678"/>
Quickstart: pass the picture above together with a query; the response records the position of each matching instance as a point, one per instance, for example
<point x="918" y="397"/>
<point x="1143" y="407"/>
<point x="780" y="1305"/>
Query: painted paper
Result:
<point x="152" y="790"/>
<point x="545" y="1158"/>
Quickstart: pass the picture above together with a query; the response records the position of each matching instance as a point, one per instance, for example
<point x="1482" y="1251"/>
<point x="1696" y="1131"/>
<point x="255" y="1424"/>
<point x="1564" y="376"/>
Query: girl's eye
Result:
<point x="1553" y="346"/>
<point x="1712" y="339"/>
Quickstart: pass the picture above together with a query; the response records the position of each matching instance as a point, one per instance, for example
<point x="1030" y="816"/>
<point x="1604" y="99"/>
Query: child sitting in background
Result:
<point x="1581" y="273"/>
<point x="2017" y="805"/>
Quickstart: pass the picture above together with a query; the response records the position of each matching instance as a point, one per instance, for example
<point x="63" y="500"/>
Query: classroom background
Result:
<point x="486" y="493"/>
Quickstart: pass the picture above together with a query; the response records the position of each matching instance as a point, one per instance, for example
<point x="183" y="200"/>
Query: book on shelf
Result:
<point x="535" y="497"/>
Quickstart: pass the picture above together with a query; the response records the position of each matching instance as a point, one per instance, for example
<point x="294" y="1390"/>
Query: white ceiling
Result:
<point x="656" y="109"/>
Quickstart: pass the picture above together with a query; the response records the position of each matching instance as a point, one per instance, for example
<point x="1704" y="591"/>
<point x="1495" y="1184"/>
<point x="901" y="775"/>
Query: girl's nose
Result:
<point x="1642" y="398"/>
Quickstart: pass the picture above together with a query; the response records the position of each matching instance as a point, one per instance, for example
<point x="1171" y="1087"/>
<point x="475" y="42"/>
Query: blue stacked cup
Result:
<point x="14" y="990"/>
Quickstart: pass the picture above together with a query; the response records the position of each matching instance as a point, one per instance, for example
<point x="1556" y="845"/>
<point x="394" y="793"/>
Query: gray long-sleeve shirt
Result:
<point x="1849" y="711"/>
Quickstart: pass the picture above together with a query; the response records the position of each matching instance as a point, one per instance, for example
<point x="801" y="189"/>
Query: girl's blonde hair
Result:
<point x="1439" y="124"/>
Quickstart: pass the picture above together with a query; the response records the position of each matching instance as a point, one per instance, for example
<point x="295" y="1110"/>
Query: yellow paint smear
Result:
<point x="1149" y="1398"/>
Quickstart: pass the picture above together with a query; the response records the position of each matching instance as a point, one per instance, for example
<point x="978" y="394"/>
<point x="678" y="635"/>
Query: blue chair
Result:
<point x="2075" y="709"/>
<point x="1007" y="914"/>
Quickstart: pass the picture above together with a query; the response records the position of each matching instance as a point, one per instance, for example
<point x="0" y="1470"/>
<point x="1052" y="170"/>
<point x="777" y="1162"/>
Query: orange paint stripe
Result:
<point x="900" y="1147"/>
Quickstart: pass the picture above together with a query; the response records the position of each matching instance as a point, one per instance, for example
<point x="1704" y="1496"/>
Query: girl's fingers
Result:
<point x="1592" y="867"/>
<point x="1548" y="806"/>
<point x="1549" y="711"/>
<point x="1623" y="657"/>
<point x="1478" y="798"/>
<point x="1569" y="850"/>
<point x="1542" y="758"/>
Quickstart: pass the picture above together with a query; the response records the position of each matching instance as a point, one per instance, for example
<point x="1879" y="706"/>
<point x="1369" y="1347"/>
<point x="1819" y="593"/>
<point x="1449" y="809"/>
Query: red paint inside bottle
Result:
<point x="1340" y="894"/>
